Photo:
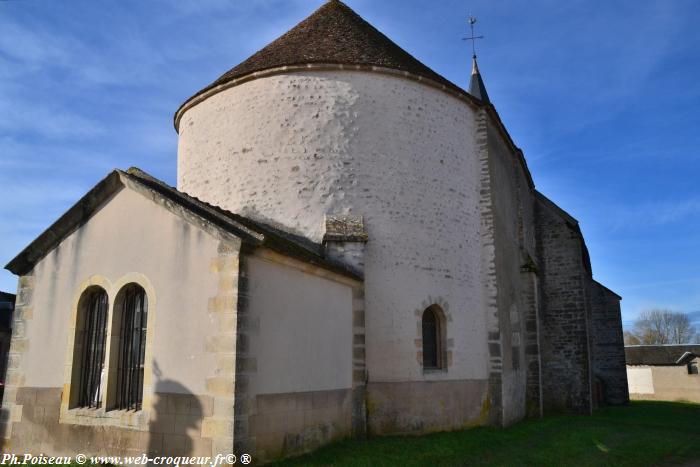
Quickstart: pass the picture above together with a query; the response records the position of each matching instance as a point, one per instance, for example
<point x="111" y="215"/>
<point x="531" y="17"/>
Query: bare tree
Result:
<point x="651" y="327"/>
<point x="662" y="327"/>
<point x="631" y="338"/>
<point x="681" y="330"/>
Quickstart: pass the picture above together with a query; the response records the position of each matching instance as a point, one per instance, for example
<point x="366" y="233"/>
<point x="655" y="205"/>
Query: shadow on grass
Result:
<point x="640" y="434"/>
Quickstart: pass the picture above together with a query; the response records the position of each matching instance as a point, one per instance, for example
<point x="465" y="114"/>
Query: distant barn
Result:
<point x="663" y="372"/>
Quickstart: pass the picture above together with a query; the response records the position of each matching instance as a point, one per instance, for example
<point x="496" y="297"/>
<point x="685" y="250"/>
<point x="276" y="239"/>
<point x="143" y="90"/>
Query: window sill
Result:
<point x="86" y="411"/>
<point x="121" y="411"/>
<point x="136" y="420"/>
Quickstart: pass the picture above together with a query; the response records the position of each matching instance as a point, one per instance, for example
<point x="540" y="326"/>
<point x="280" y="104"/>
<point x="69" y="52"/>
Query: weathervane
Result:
<point x="473" y="38"/>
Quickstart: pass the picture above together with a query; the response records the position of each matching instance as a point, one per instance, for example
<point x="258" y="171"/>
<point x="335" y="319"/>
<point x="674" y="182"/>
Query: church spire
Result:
<point x="476" y="85"/>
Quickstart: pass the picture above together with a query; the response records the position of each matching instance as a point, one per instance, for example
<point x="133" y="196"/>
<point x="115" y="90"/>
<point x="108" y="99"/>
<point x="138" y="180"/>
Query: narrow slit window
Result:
<point x="132" y="348"/>
<point x="431" y="340"/>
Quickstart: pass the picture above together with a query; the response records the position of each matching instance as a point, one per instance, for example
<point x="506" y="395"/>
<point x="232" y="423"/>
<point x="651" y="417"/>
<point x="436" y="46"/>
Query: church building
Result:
<point x="355" y="247"/>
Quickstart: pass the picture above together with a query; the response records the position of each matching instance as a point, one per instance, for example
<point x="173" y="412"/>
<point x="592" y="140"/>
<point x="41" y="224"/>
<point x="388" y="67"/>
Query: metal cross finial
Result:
<point x="473" y="38"/>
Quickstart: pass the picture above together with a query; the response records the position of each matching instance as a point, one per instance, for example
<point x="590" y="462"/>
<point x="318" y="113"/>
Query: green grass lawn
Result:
<point x="641" y="434"/>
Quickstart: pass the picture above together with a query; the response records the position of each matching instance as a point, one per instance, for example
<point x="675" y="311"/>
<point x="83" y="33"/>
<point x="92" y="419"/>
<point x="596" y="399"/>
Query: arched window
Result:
<point x="89" y="349"/>
<point x="432" y="339"/>
<point x="131" y="316"/>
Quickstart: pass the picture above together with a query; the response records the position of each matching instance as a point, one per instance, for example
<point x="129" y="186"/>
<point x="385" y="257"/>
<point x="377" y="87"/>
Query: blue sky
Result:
<point x="603" y="98"/>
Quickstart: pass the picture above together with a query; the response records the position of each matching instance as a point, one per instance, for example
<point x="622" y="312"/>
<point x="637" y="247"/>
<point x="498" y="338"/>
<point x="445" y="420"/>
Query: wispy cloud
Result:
<point x="45" y="120"/>
<point x="654" y="214"/>
<point x="657" y="284"/>
<point x="35" y="47"/>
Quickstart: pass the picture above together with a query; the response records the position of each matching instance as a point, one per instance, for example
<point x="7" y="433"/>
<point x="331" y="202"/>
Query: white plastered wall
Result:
<point x="293" y="147"/>
<point x="129" y="237"/>
<point x="303" y="340"/>
<point x="640" y="380"/>
<point x="670" y="383"/>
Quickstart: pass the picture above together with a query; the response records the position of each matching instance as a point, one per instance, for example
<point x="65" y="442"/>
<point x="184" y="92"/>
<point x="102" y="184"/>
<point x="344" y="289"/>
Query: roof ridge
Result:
<point x="248" y="230"/>
<point x="247" y="222"/>
<point x="281" y="239"/>
<point x="662" y="345"/>
<point x="151" y="180"/>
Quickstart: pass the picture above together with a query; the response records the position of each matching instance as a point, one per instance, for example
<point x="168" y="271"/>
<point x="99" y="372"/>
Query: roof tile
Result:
<point x="333" y="34"/>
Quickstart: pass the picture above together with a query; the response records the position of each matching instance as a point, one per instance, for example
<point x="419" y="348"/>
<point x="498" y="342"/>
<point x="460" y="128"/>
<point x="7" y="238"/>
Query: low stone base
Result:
<point x="174" y="428"/>
<point x="278" y="425"/>
<point x="669" y="396"/>
<point x="282" y="425"/>
<point x="426" y="406"/>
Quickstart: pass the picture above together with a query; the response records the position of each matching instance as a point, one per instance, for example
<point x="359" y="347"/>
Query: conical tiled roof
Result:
<point x="333" y="34"/>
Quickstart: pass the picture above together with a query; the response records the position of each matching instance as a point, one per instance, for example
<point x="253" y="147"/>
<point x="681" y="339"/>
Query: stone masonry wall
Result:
<point x="410" y="408"/>
<point x="607" y="345"/>
<point x="566" y="384"/>
<point x="489" y="278"/>
<point x="170" y="430"/>
<point x="515" y="245"/>
<point x="398" y="153"/>
<point x="533" y="361"/>
<point x="15" y="375"/>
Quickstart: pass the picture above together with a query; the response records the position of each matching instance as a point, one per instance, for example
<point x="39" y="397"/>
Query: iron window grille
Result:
<point x="132" y="349"/>
<point x="93" y="341"/>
